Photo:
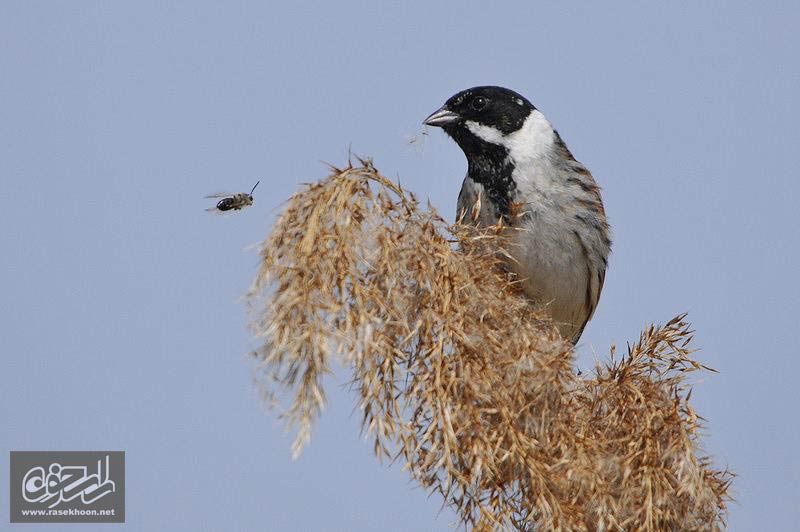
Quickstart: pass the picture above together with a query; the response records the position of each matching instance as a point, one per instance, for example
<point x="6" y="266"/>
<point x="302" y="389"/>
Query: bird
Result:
<point x="520" y="174"/>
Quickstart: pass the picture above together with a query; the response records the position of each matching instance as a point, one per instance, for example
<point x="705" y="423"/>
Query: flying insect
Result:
<point x="233" y="202"/>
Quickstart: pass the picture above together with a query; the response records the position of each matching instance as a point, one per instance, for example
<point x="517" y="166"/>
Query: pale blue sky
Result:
<point x="120" y="323"/>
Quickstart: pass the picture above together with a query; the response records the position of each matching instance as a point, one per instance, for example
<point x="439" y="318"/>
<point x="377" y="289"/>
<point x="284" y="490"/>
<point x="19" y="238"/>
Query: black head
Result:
<point x="495" y="107"/>
<point x="478" y="119"/>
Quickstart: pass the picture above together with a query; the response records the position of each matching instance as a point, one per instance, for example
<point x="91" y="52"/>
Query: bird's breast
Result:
<point x="546" y="255"/>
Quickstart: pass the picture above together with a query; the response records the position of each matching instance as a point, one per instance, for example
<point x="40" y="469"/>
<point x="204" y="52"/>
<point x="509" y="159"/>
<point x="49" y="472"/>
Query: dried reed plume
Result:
<point x="463" y="381"/>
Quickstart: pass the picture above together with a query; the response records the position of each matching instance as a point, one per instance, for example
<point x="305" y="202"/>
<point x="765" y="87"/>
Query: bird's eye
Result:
<point x="478" y="103"/>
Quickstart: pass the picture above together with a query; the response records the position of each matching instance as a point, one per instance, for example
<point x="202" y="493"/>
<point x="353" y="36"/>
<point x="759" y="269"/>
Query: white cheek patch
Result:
<point x="532" y="141"/>
<point x="486" y="133"/>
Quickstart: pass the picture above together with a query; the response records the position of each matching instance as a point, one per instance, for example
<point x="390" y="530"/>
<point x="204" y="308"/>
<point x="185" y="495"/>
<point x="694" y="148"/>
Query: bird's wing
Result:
<point x="596" y="280"/>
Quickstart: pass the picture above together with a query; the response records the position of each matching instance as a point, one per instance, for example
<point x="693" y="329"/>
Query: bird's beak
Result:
<point x="441" y="118"/>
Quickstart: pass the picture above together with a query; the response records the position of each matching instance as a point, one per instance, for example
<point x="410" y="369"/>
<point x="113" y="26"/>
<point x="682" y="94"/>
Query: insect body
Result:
<point x="233" y="202"/>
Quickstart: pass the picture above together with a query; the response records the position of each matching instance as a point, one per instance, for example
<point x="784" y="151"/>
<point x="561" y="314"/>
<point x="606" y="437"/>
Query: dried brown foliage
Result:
<point x="463" y="381"/>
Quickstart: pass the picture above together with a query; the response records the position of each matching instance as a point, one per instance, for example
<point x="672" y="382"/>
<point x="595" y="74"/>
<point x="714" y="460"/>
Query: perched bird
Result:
<point x="520" y="173"/>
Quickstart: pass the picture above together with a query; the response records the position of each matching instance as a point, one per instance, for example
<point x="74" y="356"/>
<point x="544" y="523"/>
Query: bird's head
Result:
<point x="481" y="115"/>
<point x="493" y="107"/>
